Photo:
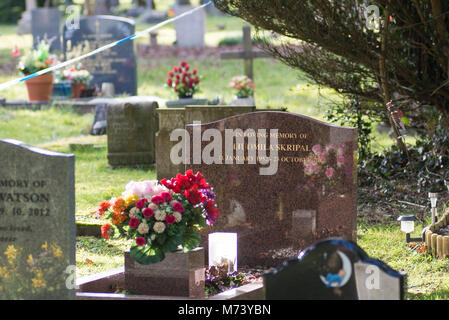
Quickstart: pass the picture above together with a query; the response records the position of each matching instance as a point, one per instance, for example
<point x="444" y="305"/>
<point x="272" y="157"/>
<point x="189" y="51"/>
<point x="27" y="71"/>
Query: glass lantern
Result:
<point x="223" y="250"/>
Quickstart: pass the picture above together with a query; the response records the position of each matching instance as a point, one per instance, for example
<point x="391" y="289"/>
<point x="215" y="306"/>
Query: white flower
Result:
<point x="160" y="215"/>
<point x="143" y="228"/>
<point x="133" y="212"/>
<point x="159" y="227"/>
<point x="178" y="216"/>
<point x="152" y="237"/>
<point x="153" y="206"/>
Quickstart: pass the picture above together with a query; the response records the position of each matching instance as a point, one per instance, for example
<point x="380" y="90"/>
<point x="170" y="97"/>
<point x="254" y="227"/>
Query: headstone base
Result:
<point x="179" y="274"/>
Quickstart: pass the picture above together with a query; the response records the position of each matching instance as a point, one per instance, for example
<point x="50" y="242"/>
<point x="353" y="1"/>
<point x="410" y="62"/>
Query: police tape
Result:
<point x="101" y="49"/>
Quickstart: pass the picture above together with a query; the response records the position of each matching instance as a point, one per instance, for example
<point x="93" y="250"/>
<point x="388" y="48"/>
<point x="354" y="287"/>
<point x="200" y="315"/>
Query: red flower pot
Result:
<point x="40" y="88"/>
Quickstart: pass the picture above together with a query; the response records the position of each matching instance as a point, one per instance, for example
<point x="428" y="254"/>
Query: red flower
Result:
<point x="194" y="196"/>
<point x="169" y="82"/>
<point x="167" y="196"/>
<point x="133" y="223"/>
<point x="106" y="231"/>
<point x="170" y="74"/>
<point x="148" y="212"/>
<point x="140" y="241"/>
<point x="177" y="206"/>
<point x="187" y="67"/>
<point x="15" y="52"/>
<point x="194" y="71"/>
<point x="170" y="219"/>
<point x="141" y="203"/>
<point x="103" y="206"/>
<point x="183" y="64"/>
<point x="157" y="199"/>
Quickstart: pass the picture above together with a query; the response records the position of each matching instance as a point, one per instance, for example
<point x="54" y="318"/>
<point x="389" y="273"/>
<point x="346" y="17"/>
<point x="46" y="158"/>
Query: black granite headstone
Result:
<point x="116" y="65"/>
<point x="45" y="24"/>
<point x="99" y="125"/>
<point x="334" y="269"/>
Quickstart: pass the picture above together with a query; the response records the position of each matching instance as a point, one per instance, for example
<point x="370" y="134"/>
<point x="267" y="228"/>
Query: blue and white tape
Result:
<point x="106" y="47"/>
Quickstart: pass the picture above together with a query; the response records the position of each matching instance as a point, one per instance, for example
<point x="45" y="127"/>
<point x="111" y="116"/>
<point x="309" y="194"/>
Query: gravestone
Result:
<point x="99" y="124"/>
<point x="284" y="178"/>
<point x="37" y="223"/>
<point x="172" y="119"/>
<point x="334" y="269"/>
<point x="46" y="24"/>
<point x="116" y="65"/>
<point x="131" y="129"/>
<point x="190" y="30"/>
<point x="24" y="25"/>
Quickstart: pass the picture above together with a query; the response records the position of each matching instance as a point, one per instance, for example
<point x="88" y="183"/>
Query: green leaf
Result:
<point x="172" y="243"/>
<point x="146" y="254"/>
<point x="191" y="241"/>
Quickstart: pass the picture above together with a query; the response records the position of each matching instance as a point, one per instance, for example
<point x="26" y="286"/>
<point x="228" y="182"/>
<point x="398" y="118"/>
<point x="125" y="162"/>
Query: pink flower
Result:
<point x="322" y="157"/>
<point x="157" y="199"/>
<point x="166" y="196"/>
<point x="140" y="241"/>
<point x="329" y="172"/>
<point x="317" y="149"/>
<point x="340" y="161"/>
<point x="141" y="203"/>
<point x="177" y="206"/>
<point x="148" y="212"/>
<point x="133" y="223"/>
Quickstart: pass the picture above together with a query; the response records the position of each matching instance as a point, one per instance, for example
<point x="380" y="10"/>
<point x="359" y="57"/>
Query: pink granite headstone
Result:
<point x="306" y="193"/>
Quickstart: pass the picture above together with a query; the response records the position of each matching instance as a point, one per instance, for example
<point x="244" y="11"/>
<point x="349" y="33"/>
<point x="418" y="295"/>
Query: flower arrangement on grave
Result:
<point x="243" y="85"/>
<point x="326" y="166"/>
<point x="36" y="59"/>
<point x="77" y="76"/>
<point x="40" y="87"/>
<point x="161" y="216"/>
<point x="27" y="276"/>
<point x="183" y="81"/>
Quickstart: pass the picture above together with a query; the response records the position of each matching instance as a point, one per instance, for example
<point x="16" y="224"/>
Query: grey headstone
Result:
<point x="99" y="124"/>
<point x="46" y="24"/>
<point x="131" y="129"/>
<point x="191" y="29"/>
<point x="116" y="65"/>
<point x="37" y="222"/>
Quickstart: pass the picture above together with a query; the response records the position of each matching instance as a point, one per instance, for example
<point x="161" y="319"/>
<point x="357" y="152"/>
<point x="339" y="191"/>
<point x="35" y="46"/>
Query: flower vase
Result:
<point x="179" y="274"/>
<point x="76" y="90"/>
<point x="40" y="88"/>
<point x="243" y="101"/>
<point x="182" y="102"/>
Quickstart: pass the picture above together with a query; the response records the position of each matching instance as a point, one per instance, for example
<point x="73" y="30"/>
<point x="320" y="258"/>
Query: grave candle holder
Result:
<point x="223" y="250"/>
<point x="433" y="203"/>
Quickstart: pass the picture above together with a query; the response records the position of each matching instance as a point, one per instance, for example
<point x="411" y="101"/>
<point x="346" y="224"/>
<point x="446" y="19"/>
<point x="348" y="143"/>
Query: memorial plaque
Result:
<point x="37" y="223"/>
<point x="282" y="180"/>
<point x="116" y="65"/>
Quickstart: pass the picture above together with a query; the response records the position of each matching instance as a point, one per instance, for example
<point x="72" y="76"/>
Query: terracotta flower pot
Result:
<point x="76" y="90"/>
<point x="40" y="88"/>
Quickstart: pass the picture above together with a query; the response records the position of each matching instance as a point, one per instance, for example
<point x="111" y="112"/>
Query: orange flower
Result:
<point x="106" y="231"/>
<point x="119" y="205"/>
<point x="118" y="218"/>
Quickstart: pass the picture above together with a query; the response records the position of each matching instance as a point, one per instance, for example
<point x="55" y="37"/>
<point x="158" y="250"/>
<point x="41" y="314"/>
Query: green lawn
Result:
<point x="277" y="86"/>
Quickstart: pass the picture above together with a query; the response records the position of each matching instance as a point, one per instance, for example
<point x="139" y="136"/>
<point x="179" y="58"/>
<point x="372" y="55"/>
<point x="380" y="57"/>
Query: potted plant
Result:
<point x="161" y="216"/>
<point x="244" y="87"/>
<point x="62" y="87"/>
<point x="39" y="88"/>
<point x="79" y="78"/>
<point x="185" y="83"/>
